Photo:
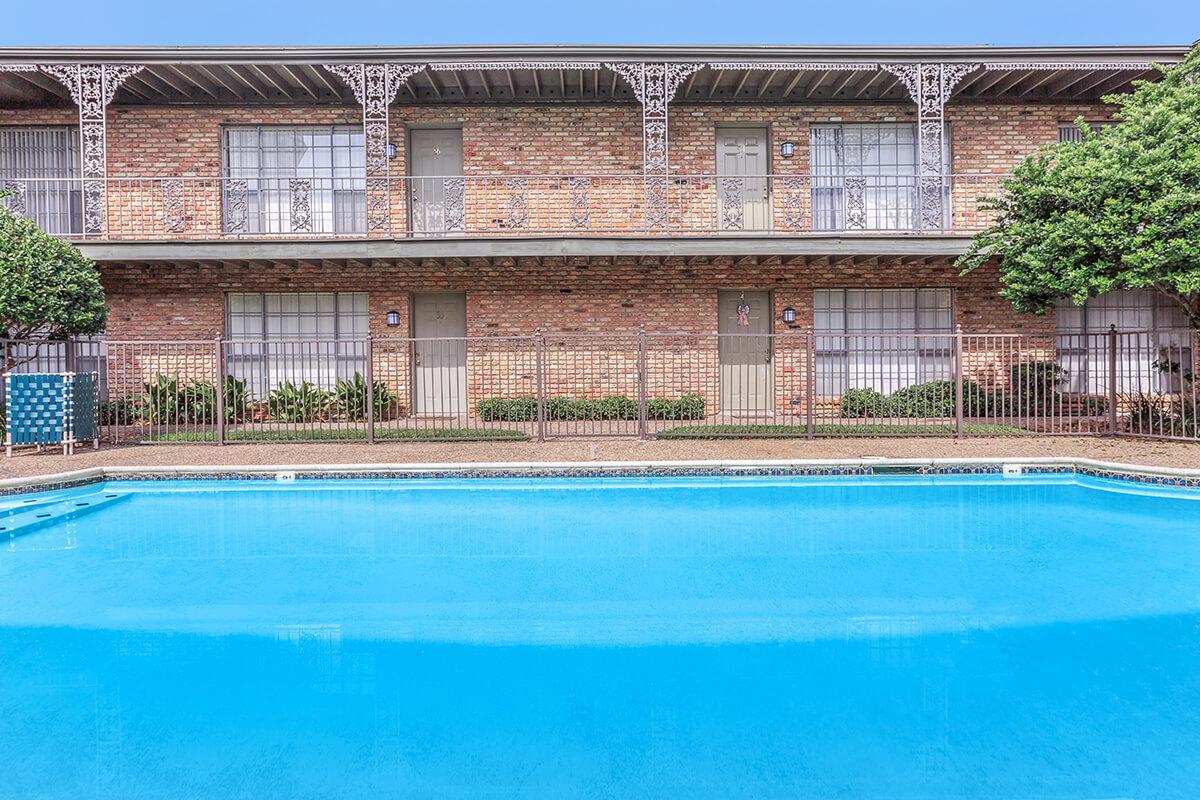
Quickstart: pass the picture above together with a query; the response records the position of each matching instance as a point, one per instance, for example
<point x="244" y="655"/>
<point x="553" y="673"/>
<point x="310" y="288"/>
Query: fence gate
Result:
<point x="592" y="385"/>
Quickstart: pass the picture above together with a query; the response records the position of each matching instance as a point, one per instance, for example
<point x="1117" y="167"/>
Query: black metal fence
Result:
<point x="639" y="384"/>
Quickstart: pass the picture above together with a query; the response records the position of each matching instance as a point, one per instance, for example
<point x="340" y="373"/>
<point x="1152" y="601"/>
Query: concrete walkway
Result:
<point x="1132" y="451"/>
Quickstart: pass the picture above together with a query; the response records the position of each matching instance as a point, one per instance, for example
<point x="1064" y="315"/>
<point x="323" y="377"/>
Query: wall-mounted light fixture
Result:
<point x="789" y="315"/>
<point x="787" y="149"/>
<point x="393" y="319"/>
<point x="391" y="151"/>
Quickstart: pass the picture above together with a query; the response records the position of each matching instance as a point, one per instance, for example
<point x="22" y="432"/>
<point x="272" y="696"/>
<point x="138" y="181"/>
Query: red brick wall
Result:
<point x="185" y="141"/>
<point x="513" y="298"/>
<point x="506" y="297"/>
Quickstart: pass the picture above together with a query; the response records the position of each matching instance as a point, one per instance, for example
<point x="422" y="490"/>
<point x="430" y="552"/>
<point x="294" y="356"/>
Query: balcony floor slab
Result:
<point x="814" y="245"/>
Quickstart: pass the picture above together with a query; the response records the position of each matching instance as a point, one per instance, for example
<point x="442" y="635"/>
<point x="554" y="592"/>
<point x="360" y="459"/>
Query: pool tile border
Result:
<point x="1158" y="476"/>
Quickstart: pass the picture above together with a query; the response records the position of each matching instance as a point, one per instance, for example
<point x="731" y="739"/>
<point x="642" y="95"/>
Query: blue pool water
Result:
<point x="703" y="638"/>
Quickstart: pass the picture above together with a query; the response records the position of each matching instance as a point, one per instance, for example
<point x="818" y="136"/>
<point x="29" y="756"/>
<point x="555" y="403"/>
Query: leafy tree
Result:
<point x="1118" y="210"/>
<point x="48" y="289"/>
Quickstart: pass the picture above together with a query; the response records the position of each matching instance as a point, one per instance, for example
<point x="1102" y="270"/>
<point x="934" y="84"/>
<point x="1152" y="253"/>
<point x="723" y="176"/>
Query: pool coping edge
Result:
<point x="1173" y="476"/>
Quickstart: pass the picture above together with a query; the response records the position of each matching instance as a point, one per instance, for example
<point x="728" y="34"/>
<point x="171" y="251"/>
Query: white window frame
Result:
<point x="335" y="171"/>
<point x="882" y="357"/>
<point x="1154" y="330"/>
<point x="885" y="193"/>
<point x="270" y="339"/>
<point x="44" y="160"/>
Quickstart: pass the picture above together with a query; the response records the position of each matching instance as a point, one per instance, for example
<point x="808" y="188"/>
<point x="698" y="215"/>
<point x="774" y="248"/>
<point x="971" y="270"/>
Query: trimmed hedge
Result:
<point x="524" y="409"/>
<point x="1035" y="390"/>
<point x="933" y="399"/>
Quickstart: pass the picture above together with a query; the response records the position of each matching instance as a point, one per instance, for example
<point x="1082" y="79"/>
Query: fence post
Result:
<point x="958" y="381"/>
<point x="810" y="382"/>
<point x="539" y="346"/>
<point x="369" y="377"/>
<point x="641" y="377"/>
<point x="1112" y="380"/>
<point x="219" y="386"/>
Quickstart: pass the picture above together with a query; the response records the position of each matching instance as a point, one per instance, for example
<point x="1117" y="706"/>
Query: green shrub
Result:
<point x="931" y="399"/>
<point x="1034" y="385"/>
<point x="170" y="401"/>
<point x="689" y="406"/>
<point x="304" y="403"/>
<point x="1159" y="414"/>
<point x="122" y="411"/>
<point x="524" y="409"/>
<point x="236" y="399"/>
<point x="507" y="409"/>
<point x="351" y="398"/>
<point x="566" y="408"/>
<point x="863" y="403"/>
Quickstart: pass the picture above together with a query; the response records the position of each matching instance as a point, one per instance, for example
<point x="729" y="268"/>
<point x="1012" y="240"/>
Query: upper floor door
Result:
<point x="743" y="186"/>
<point x="438" y="192"/>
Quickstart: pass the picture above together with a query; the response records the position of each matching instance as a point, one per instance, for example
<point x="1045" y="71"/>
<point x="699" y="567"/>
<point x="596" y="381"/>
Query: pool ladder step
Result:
<point x="20" y="519"/>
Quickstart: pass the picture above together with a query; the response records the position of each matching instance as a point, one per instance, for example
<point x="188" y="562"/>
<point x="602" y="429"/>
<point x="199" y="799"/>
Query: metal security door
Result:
<point x="440" y="354"/>
<point x="438" y="191"/>
<point x="743" y="190"/>
<point x="745" y="353"/>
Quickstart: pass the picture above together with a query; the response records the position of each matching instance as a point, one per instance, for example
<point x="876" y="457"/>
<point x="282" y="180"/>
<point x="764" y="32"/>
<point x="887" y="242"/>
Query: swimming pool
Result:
<point x="843" y="637"/>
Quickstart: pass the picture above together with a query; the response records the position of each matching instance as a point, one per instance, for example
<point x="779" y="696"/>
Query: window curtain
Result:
<point x="46" y="162"/>
<point x="882" y="339"/>
<point x="269" y="158"/>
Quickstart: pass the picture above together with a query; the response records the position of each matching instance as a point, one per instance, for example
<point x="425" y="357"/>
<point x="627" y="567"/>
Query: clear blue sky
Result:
<point x="313" y="22"/>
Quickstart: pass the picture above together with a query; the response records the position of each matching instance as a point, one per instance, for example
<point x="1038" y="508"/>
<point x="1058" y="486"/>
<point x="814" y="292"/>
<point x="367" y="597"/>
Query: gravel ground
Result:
<point x="1134" y="451"/>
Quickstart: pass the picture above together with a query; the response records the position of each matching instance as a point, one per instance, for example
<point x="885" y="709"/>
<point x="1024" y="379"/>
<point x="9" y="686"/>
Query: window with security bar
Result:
<point x="39" y="168"/>
<point x="1154" y="348"/>
<point x="294" y="179"/>
<point x="297" y="337"/>
<point x="864" y="176"/>
<point x="1070" y="132"/>
<point x="882" y="339"/>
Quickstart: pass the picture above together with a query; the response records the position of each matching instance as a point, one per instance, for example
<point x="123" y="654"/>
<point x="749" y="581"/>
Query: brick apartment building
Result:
<point x="336" y="193"/>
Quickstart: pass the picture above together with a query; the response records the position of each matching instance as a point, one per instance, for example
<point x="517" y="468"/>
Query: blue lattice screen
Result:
<point x="45" y="408"/>
<point x="85" y="401"/>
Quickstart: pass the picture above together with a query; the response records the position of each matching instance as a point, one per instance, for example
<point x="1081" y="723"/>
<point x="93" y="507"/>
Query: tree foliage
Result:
<point x="48" y="288"/>
<point x="1118" y="210"/>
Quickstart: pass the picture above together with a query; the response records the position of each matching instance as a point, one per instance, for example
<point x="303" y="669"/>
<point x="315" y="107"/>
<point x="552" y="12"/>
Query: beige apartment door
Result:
<point x="438" y="192"/>
<point x="743" y="189"/>
<point x="745" y="353"/>
<point x="439" y="354"/>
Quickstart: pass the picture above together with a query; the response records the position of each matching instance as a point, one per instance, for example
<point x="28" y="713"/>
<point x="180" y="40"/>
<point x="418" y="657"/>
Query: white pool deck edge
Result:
<point x="183" y="470"/>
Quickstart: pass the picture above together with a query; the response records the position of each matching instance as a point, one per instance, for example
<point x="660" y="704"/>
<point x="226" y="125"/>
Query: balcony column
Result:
<point x="92" y="87"/>
<point x="655" y="85"/>
<point x="375" y="87"/>
<point x="930" y="86"/>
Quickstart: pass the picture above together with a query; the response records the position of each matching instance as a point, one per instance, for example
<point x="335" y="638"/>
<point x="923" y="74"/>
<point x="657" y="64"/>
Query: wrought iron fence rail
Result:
<point x="636" y="384"/>
<point x="207" y="207"/>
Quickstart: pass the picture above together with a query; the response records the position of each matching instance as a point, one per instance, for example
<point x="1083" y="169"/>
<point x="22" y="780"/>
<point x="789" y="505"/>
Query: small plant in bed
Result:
<point x="291" y="403"/>
<point x="351" y="398"/>
<point x="171" y="400"/>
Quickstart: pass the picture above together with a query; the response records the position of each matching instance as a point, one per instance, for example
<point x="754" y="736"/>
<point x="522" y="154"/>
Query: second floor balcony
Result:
<point x="465" y="206"/>
<point x="474" y="143"/>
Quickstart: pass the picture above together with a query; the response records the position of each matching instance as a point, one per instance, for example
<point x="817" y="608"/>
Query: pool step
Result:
<point x="20" y="519"/>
